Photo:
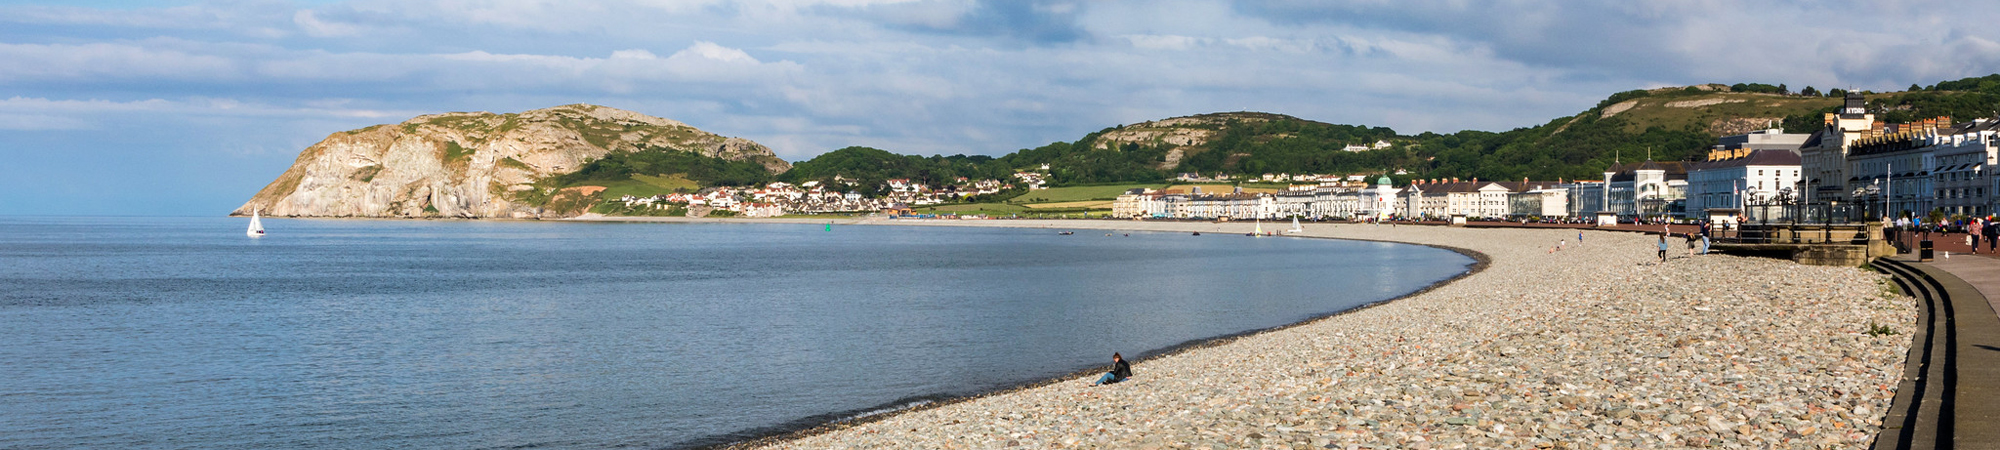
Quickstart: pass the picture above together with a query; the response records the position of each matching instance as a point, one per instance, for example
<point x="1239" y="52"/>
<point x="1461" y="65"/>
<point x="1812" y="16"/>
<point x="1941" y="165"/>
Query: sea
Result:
<point x="170" y="333"/>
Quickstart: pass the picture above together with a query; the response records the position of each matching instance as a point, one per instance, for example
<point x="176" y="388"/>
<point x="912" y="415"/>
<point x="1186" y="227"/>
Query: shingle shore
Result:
<point x="1594" y="346"/>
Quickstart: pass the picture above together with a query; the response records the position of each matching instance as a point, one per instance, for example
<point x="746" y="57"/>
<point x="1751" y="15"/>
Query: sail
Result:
<point x="1295" y="225"/>
<point x="256" y="224"/>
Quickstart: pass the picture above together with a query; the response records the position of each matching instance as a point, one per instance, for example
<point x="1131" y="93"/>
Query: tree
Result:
<point x="1782" y="90"/>
<point x="1914" y="87"/>
<point x="1809" y="91"/>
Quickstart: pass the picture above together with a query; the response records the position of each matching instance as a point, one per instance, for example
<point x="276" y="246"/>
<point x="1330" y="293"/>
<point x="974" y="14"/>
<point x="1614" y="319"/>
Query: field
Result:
<point x="1078" y="193"/>
<point x="1086" y="204"/>
<point x="991" y="209"/>
<point x="644" y="185"/>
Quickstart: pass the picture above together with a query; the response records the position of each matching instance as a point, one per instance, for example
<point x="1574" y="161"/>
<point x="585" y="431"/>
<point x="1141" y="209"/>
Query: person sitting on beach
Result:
<point x="1119" y="371"/>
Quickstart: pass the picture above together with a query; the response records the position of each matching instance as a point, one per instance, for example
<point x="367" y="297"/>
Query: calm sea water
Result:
<point x="183" y="333"/>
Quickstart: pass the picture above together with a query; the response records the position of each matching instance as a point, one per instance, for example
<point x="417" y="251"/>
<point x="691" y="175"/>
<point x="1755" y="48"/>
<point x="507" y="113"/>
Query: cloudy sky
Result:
<point x="148" y="107"/>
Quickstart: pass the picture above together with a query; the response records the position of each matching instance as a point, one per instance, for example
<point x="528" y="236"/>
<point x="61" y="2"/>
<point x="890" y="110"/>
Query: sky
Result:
<point x="154" y="107"/>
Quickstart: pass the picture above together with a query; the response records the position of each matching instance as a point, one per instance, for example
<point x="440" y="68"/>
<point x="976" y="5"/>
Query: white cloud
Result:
<point x="310" y="22"/>
<point x="26" y="113"/>
<point x="107" y="61"/>
<point x="37" y="122"/>
<point x="710" y="51"/>
<point x="1164" y="42"/>
<point x="906" y="73"/>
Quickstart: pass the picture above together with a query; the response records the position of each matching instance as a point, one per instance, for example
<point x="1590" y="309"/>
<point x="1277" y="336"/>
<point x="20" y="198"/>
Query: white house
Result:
<point x="1734" y="178"/>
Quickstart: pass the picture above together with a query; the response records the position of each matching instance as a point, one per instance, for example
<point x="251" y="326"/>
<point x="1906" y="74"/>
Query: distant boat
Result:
<point x="1259" y="231"/>
<point x="1197" y="233"/>
<point x="1295" y="227"/>
<point x="1065" y="233"/>
<point x="256" y="225"/>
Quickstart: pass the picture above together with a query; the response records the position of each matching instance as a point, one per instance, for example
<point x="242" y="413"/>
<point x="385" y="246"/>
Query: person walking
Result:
<point x="1690" y="244"/>
<point x="1972" y="230"/>
<point x="1663" y="248"/>
<point x="1993" y="235"/>
<point x="1704" y="243"/>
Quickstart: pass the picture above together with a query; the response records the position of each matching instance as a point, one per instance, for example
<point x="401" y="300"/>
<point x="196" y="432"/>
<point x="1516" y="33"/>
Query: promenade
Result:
<point x="1593" y="346"/>
<point x="1963" y="374"/>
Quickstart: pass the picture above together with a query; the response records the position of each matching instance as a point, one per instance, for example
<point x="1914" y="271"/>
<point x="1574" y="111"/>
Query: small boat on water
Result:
<point x="1065" y="233"/>
<point x="256" y="225"/>
<point x="1197" y="233"/>
<point x="1295" y="227"/>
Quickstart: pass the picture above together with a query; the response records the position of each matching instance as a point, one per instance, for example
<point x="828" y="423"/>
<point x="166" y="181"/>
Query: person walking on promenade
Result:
<point x="1972" y="230"/>
<point x="1119" y="371"/>
<point x="1663" y="248"/>
<point x="1993" y="235"/>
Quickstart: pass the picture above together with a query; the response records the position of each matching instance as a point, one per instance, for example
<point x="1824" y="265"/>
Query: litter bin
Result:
<point x="1924" y="250"/>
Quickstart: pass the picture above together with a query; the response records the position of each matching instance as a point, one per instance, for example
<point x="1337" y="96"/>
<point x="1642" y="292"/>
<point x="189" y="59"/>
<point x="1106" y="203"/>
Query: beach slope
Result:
<point x="1596" y="345"/>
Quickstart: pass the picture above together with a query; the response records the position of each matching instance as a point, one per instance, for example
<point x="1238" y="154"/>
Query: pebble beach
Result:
<point x="1598" y="345"/>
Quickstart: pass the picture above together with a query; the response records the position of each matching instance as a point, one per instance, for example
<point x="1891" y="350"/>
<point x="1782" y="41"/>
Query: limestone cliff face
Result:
<point x="1180" y="135"/>
<point x="468" y="165"/>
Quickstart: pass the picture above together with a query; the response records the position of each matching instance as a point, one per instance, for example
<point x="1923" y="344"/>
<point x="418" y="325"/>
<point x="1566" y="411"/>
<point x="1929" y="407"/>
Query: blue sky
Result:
<point x="187" y="108"/>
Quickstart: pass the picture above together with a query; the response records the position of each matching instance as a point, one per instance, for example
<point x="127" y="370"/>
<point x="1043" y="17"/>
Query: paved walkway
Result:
<point x="1982" y="273"/>
<point x="1975" y="407"/>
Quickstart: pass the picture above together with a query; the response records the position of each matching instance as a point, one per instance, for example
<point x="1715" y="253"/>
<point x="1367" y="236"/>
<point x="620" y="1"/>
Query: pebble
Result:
<point x="1594" y="346"/>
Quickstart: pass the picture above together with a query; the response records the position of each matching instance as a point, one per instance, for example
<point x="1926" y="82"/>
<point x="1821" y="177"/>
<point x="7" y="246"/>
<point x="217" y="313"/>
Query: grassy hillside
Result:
<point x="1663" y="124"/>
<point x="1079" y="193"/>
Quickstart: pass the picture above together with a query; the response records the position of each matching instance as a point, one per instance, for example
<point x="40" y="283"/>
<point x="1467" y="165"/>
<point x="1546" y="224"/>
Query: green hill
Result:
<point x="1665" y="124"/>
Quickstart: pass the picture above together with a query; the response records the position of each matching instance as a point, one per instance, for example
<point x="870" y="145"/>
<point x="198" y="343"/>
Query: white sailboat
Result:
<point x="256" y="225"/>
<point x="1259" y="232"/>
<point x="1295" y="227"/>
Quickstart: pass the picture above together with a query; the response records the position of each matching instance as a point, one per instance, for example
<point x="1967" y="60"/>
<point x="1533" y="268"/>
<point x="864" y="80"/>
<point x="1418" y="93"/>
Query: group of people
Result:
<point x="1983" y="229"/>
<point x="1979" y="231"/>
<point x="1696" y="240"/>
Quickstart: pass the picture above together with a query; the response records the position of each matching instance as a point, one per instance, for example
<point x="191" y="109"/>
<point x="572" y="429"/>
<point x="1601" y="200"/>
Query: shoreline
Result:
<point x="829" y="423"/>
<point x="1619" y="350"/>
<point x="1594" y="346"/>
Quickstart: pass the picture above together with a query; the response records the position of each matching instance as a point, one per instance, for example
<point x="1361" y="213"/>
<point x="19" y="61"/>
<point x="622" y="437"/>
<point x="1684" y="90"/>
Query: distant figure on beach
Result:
<point x="1690" y="244"/>
<point x="1704" y="243"/>
<point x="1663" y="248"/>
<point x="1119" y="371"/>
<point x="1579" y="237"/>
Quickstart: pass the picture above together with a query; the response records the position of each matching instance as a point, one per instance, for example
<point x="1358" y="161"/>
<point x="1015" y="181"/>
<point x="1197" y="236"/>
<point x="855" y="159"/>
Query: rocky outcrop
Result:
<point x="470" y="165"/>
<point x="1180" y="135"/>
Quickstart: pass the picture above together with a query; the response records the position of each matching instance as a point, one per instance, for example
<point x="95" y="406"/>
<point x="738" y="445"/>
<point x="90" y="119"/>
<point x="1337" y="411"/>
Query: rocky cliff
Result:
<point x="471" y="165"/>
<point x="1180" y="135"/>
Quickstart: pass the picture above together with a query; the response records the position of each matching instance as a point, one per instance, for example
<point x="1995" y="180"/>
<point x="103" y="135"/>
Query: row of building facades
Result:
<point x="1854" y="168"/>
